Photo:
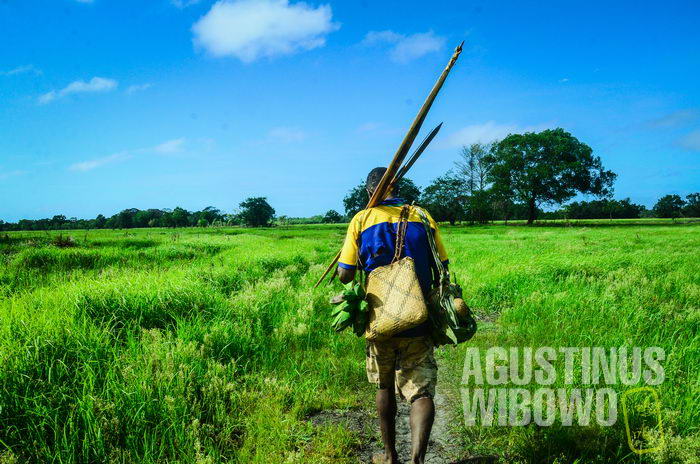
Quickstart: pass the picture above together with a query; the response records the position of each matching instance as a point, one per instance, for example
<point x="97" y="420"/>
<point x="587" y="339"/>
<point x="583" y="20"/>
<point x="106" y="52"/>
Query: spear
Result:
<point x="416" y="154"/>
<point x="383" y="187"/>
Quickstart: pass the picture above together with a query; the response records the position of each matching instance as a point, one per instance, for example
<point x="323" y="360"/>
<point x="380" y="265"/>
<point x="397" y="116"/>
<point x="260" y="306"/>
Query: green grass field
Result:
<point x="210" y="345"/>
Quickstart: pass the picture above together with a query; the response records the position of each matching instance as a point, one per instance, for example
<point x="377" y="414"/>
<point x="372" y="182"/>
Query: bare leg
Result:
<point x="386" y="408"/>
<point x="422" y="416"/>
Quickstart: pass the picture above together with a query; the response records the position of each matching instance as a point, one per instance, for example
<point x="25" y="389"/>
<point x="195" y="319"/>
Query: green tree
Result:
<point x="547" y="167"/>
<point x="100" y="222"/>
<point x="141" y="219"/>
<point x="446" y="198"/>
<point x="357" y="198"/>
<point x="669" y="206"/>
<point x="256" y="212"/>
<point x="332" y="217"/>
<point x="474" y="166"/>
<point x="180" y="217"/>
<point x="473" y="169"/>
<point x="57" y="221"/>
<point x="210" y="214"/>
<point x="599" y="209"/>
<point x="692" y="205"/>
<point x="124" y="219"/>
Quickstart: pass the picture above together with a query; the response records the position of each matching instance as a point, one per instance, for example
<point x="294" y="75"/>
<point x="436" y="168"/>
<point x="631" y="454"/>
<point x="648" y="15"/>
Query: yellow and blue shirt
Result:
<point x="371" y="239"/>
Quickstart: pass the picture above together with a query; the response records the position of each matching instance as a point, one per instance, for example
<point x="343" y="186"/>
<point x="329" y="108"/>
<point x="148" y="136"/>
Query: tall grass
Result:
<point x="211" y="346"/>
<point x="139" y="354"/>
<point x="585" y="287"/>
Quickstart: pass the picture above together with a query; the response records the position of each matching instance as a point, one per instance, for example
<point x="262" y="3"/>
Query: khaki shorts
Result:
<point x="409" y="361"/>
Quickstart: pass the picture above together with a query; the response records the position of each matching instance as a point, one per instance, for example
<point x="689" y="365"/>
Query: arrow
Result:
<point x="385" y="183"/>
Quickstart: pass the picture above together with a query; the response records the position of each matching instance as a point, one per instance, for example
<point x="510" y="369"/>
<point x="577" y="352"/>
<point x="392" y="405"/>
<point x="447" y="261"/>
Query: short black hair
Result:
<point x="373" y="178"/>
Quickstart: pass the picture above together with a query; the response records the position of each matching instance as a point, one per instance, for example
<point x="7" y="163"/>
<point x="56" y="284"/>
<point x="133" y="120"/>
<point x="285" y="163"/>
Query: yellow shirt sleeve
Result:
<point x="349" y="255"/>
<point x="438" y="240"/>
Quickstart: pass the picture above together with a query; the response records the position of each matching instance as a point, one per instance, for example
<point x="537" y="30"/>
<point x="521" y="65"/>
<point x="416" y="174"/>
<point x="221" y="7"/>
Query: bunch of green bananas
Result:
<point x="351" y="309"/>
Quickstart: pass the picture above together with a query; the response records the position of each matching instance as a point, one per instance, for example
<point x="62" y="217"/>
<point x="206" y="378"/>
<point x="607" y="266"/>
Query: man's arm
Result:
<point x="346" y="275"/>
<point x="347" y="264"/>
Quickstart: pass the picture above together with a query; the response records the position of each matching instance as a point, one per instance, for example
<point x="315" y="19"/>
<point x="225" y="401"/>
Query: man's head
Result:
<point x="373" y="178"/>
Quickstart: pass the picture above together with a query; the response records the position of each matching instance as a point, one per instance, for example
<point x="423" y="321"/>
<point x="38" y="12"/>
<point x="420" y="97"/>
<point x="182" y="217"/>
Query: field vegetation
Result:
<point x="210" y="345"/>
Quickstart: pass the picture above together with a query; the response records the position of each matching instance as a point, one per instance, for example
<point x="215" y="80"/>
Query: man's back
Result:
<point x="371" y="241"/>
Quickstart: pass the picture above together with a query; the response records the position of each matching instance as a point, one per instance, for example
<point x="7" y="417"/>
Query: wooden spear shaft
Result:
<point x="382" y="188"/>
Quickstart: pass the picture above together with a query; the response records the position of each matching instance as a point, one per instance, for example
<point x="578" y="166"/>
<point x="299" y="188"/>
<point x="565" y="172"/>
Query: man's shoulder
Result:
<point x="419" y="211"/>
<point x="374" y="216"/>
<point x="359" y="216"/>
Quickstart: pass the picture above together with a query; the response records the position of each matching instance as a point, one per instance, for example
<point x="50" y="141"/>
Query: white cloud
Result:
<point x="691" y="141"/>
<point x="96" y="84"/>
<point x="170" y="146"/>
<point x="287" y="134"/>
<point x="405" y="48"/>
<point x="252" y="29"/>
<point x="563" y="80"/>
<point x="137" y="88"/>
<point x="167" y="147"/>
<point x="27" y="68"/>
<point x="488" y="132"/>
<point x="89" y="165"/>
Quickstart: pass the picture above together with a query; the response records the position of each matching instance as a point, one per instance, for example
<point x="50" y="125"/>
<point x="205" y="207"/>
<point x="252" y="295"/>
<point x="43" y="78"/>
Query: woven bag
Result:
<point x="395" y="298"/>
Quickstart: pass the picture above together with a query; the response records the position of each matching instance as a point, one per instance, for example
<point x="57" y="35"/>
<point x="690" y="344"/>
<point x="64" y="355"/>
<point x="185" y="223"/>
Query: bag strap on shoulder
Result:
<point x="401" y="227"/>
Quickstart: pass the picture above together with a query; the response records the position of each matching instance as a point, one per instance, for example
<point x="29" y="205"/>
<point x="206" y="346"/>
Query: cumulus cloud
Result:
<point x="691" y="141"/>
<point x="488" y="132"/>
<point x="137" y="88"/>
<point x="253" y="29"/>
<point x="96" y="84"/>
<point x="287" y="134"/>
<point x="27" y="68"/>
<point x="170" y="146"/>
<point x="405" y="48"/>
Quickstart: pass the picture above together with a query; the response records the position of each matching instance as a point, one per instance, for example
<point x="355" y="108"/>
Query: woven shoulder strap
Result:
<point x="401" y="227"/>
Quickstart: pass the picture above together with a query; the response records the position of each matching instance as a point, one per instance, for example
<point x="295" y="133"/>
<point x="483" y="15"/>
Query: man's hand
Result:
<point x="346" y="275"/>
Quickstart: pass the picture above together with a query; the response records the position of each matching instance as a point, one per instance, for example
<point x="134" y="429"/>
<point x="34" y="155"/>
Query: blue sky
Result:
<point x="107" y="104"/>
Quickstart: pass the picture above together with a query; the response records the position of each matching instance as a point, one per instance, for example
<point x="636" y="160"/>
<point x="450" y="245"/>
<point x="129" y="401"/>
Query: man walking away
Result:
<point x="405" y="362"/>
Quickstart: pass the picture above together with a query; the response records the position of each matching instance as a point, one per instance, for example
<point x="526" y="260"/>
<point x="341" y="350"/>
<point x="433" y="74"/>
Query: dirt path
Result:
<point x="442" y="449"/>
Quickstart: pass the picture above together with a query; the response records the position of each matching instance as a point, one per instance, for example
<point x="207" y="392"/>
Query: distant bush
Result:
<point x="669" y="206"/>
<point x="600" y="209"/>
<point x="63" y="242"/>
<point x="332" y="217"/>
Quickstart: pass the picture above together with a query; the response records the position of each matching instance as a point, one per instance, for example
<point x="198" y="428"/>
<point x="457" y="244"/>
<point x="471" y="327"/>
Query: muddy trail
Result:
<point x="443" y="447"/>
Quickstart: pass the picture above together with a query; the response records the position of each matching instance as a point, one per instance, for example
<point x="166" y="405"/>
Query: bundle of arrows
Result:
<point x="396" y="170"/>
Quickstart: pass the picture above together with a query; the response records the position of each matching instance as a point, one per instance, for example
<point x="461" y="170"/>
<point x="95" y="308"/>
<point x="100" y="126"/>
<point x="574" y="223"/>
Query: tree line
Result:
<point x="518" y="177"/>
<point x="254" y="212"/>
<point x="512" y="179"/>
